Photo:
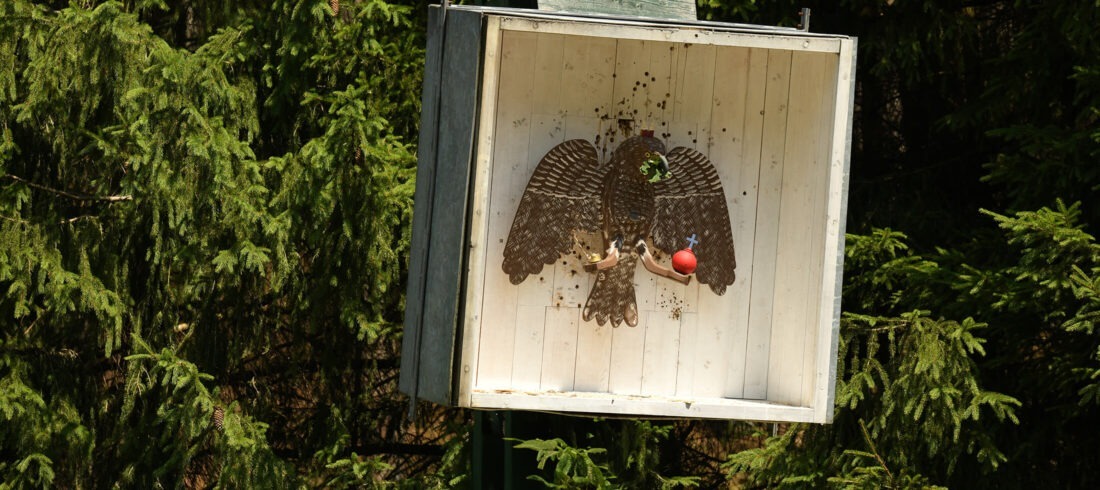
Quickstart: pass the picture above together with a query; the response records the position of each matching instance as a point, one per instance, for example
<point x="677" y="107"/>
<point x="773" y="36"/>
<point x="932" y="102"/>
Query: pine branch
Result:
<point x="70" y="195"/>
<point x="700" y="454"/>
<point x="874" y="450"/>
<point x="74" y="219"/>
<point x="14" y="220"/>
<point x="400" y="448"/>
<point x="64" y="221"/>
<point x="295" y="453"/>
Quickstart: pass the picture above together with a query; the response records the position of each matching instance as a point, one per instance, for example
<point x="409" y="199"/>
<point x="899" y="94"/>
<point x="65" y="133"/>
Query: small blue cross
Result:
<point x="692" y="241"/>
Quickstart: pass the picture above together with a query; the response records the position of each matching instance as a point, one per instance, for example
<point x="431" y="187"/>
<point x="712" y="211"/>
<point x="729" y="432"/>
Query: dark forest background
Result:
<point x="204" y="227"/>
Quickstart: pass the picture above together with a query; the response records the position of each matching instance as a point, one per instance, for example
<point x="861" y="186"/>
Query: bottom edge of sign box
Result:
<point x="603" y="404"/>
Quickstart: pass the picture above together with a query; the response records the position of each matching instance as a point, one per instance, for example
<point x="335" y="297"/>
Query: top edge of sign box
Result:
<point x="665" y="30"/>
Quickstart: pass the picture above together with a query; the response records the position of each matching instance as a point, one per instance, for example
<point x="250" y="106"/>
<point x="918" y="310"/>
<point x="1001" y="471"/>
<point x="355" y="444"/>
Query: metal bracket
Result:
<point x="804" y="20"/>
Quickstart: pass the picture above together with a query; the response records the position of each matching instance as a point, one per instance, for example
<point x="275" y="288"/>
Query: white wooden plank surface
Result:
<point x="654" y="87"/>
<point x="527" y="356"/>
<point x="688" y="108"/>
<point x="536" y="293"/>
<point x="632" y="59"/>
<point x="586" y="81"/>
<point x="694" y="83"/>
<point x="758" y="360"/>
<point x="514" y="106"/>
<point x="589" y="67"/>
<point x="548" y="55"/>
<point x="687" y="359"/>
<point x="798" y="268"/>
<point x="749" y="368"/>
<point x="732" y="104"/>
<point x="559" y="354"/>
<point x="660" y="358"/>
<point x="823" y="69"/>
<point x="734" y="120"/>
<point x="593" y="371"/>
<point x="628" y="55"/>
<point x="628" y="345"/>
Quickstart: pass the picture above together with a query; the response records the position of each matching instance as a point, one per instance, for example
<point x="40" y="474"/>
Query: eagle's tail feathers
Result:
<point x="612" y="297"/>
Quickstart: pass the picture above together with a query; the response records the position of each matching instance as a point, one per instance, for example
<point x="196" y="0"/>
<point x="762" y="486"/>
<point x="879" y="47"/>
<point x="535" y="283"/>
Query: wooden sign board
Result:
<point x="770" y="108"/>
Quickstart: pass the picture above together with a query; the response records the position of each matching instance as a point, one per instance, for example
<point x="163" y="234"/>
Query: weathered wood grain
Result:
<point x="443" y="274"/>
<point x="422" y="207"/>
<point x="773" y="140"/>
<point x="660" y="9"/>
<point x="801" y="230"/>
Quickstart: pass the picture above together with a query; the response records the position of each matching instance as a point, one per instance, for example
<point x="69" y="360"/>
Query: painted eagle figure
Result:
<point x="642" y="193"/>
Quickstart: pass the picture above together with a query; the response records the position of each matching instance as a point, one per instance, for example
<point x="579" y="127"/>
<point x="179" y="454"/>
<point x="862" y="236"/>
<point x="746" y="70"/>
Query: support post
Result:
<point x="496" y="464"/>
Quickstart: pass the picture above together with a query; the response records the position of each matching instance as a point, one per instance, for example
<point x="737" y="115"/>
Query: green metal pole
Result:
<point x="488" y="463"/>
<point x="495" y="463"/>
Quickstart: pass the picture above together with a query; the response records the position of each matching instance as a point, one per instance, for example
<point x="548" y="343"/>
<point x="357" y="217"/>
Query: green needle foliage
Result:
<point x="204" y="214"/>
<point x="573" y="468"/>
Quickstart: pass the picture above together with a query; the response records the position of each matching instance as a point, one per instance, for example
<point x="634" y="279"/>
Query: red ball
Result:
<point x="684" y="261"/>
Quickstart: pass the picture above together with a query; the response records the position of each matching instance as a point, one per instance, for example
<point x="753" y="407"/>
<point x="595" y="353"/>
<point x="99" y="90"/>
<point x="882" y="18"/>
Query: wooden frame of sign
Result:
<point x="770" y="107"/>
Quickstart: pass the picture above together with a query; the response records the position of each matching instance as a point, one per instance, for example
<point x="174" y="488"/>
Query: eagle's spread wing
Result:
<point x="692" y="202"/>
<point x="563" y="195"/>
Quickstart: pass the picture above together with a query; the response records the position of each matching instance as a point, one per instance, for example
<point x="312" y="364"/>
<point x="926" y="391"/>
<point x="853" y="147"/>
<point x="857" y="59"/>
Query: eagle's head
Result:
<point x="646" y="154"/>
<point x="655" y="167"/>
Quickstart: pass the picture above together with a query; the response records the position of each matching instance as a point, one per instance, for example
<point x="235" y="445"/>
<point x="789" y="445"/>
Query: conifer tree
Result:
<point x="204" y="214"/>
